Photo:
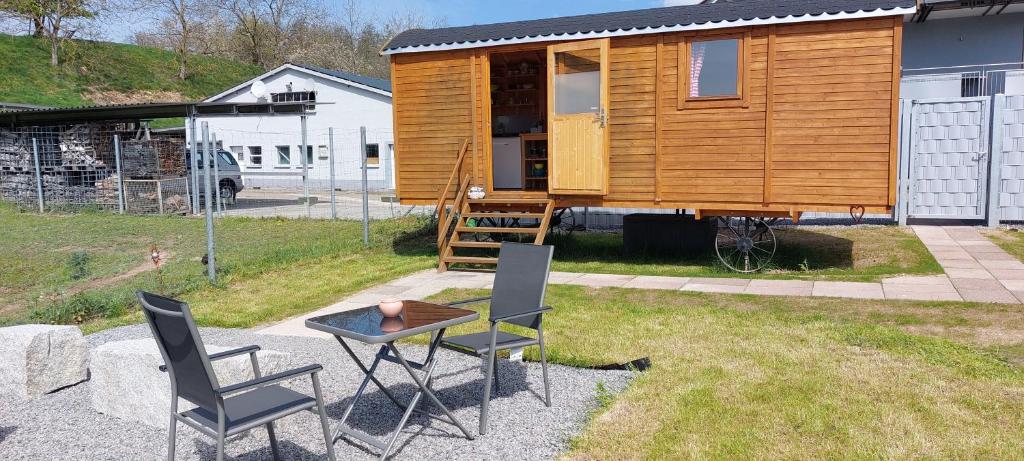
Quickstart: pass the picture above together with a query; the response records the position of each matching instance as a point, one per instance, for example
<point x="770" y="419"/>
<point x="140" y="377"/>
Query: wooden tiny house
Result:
<point x="754" y="108"/>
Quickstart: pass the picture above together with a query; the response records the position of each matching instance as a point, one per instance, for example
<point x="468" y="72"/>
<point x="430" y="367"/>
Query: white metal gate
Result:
<point x="949" y="158"/>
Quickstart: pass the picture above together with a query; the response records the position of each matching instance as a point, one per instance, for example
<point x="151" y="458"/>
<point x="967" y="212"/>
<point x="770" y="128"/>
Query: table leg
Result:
<point x="367" y="372"/>
<point x="426" y="390"/>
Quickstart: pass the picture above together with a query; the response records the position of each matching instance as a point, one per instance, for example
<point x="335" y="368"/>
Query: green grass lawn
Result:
<point x="855" y="253"/>
<point x="748" y="377"/>
<point x="92" y="67"/>
<point x="74" y="268"/>
<point x="1011" y="241"/>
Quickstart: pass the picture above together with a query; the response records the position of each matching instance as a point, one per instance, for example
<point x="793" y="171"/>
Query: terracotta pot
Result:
<point x="391" y="324"/>
<point x="390" y="307"/>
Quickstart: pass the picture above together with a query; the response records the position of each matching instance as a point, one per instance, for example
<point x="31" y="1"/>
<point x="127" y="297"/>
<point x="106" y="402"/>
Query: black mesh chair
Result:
<point x="517" y="298"/>
<point x="222" y="411"/>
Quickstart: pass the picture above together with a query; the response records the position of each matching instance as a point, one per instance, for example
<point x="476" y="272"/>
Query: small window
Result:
<point x="255" y="155"/>
<point x="284" y="155"/>
<point x="373" y="156"/>
<point x="237" y="152"/>
<point x="322" y="153"/>
<point x="712" y="71"/>
<point x="294" y="96"/>
<point x="309" y="153"/>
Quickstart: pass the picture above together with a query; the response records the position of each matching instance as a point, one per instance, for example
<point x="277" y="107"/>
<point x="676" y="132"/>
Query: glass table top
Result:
<point x="369" y="325"/>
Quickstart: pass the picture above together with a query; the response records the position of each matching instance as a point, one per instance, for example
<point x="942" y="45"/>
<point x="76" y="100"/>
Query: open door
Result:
<point x="578" y="118"/>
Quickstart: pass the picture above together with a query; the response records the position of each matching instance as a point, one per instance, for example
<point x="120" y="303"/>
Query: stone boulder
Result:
<point x="38" y="359"/>
<point x="126" y="381"/>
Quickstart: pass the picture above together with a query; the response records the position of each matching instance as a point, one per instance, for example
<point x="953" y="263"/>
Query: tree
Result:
<point x="265" y="29"/>
<point x="179" y="26"/>
<point x="57" y="20"/>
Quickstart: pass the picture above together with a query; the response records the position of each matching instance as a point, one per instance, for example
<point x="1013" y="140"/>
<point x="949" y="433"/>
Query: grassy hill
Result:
<point x="101" y="72"/>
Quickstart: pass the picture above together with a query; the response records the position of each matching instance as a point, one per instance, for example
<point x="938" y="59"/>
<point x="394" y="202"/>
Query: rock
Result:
<point x="38" y="359"/>
<point x="126" y="381"/>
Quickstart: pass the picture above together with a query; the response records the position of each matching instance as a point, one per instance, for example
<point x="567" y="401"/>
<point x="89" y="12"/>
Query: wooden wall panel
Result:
<point x="433" y="104"/>
<point x="633" y="76"/>
<point x="713" y="154"/>
<point x="831" y="123"/>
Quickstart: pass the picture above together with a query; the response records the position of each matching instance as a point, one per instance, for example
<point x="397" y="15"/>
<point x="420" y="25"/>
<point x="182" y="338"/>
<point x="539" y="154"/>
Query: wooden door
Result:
<point x="578" y="118"/>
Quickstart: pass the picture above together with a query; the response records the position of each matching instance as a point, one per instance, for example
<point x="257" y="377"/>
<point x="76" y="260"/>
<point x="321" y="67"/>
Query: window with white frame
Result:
<point x="373" y="155"/>
<point x="237" y="152"/>
<point x="309" y="154"/>
<point x="284" y="155"/>
<point x="322" y="153"/>
<point x="255" y="156"/>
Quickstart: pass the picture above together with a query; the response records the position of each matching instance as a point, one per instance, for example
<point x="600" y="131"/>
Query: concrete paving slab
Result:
<point x="780" y="287"/>
<point x="563" y="277"/>
<point x="969" y="263"/>
<point x="857" y="290"/>
<point x="892" y="292"/>
<point x="654" y="282"/>
<point x="1013" y="285"/>
<point x="988" y="264"/>
<point x="602" y="280"/>
<point x="977" y="284"/>
<point x="1008" y="274"/>
<point x="716" y="285"/>
<point x="926" y="280"/>
<point x="959" y="273"/>
<point x="989" y="296"/>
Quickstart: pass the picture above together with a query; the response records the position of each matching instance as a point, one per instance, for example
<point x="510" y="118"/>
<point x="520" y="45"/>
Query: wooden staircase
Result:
<point x="478" y="226"/>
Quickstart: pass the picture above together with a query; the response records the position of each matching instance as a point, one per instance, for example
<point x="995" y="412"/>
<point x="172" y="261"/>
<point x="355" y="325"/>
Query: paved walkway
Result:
<point x="976" y="270"/>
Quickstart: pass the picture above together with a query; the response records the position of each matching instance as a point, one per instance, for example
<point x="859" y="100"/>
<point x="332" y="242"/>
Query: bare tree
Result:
<point x="56" y="20"/>
<point x="179" y="27"/>
<point x="266" y="28"/>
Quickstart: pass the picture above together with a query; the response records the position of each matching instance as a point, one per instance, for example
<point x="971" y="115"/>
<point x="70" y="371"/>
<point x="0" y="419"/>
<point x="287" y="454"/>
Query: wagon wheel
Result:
<point x="563" y="222"/>
<point x="495" y="222"/>
<point x="744" y="244"/>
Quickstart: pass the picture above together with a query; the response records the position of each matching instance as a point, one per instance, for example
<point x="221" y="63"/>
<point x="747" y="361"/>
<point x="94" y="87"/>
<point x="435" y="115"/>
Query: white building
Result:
<point x="267" y="147"/>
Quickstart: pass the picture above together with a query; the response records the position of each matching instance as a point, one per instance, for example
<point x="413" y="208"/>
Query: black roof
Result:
<point x="653" y="18"/>
<point x="378" y="83"/>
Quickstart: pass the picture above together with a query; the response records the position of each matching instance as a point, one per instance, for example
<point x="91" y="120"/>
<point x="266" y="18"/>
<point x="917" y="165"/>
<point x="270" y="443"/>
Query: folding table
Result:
<point x="369" y="326"/>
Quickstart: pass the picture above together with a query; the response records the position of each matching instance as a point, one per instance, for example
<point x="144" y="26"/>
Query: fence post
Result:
<point x="215" y="158"/>
<point x="305" y="168"/>
<point x="330" y="154"/>
<point x="160" y="196"/>
<point x="195" y="166"/>
<point x="366" y="196"/>
<point x="211" y="265"/>
<point x="39" y="174"/>
<point x="996" y="160"/>
<point x="121" y="205"/>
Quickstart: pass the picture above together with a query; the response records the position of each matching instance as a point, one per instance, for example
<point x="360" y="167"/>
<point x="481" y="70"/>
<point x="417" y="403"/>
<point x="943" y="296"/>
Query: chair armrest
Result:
<point x="522" y="314"/>
<point x="226" y="354"/>
<point x="468" y="301"/>
<point x="269" y="379"/>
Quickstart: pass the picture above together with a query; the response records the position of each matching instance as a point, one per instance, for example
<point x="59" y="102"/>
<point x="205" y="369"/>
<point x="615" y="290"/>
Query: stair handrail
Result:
<point x="444" y="226"/>
<point x="443" y="199"/>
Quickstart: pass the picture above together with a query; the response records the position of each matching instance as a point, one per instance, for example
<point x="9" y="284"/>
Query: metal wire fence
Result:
<point x="122" y="167"/>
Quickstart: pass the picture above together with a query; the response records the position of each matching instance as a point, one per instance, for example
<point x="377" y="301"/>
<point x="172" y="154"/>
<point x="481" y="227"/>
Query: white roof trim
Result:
<point x="285" y="66"/>
<point x="656" y="30"/>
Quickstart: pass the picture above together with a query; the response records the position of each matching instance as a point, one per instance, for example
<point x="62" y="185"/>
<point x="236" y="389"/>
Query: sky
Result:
<point x="461" y="12"/>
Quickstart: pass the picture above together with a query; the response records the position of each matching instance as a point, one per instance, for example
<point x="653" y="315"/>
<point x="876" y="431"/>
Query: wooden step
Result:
<point x="470" y="260"/>
<point x="473" y="244"/>
<point x="509" y="201"/>
<point x="510" y="214"/>
<point x="498" y="230"/>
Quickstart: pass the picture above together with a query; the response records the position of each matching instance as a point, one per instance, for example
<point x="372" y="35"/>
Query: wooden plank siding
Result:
<point x="814" y="132"/>
<point x="816" y="157"/>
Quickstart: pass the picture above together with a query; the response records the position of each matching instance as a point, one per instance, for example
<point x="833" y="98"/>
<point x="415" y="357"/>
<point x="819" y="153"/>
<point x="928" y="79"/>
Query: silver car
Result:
<point x="228" y="170"/>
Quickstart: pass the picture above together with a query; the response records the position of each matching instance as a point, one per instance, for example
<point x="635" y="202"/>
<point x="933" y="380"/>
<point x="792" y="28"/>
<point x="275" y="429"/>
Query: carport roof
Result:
<point x="146" y="111"/>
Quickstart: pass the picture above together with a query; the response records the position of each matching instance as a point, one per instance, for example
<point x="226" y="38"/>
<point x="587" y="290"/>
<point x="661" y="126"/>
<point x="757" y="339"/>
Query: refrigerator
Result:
<point x="507" y="163"/>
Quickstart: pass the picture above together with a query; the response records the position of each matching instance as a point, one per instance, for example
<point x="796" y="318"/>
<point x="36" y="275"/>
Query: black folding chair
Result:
<point x="517" y="298"/>
<point x="222" y="411"/>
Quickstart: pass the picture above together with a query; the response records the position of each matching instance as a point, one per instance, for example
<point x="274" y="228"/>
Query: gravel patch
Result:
<point x="63" y="426"/>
